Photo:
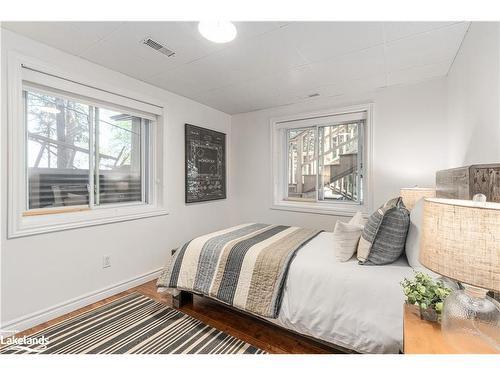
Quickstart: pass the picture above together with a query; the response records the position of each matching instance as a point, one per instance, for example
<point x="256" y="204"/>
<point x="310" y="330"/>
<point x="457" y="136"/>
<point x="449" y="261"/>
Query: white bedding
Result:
<point x="356" y="307"/>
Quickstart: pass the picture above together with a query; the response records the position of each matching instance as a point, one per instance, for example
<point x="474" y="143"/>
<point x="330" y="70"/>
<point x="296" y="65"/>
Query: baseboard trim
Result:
<point x="42" y="316"/>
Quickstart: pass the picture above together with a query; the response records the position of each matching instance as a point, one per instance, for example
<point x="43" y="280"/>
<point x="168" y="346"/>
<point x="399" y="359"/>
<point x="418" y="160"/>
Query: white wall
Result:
<point x="474" y="97"/>
<point x="42" y="271"/>
<point x="410" y="143"/>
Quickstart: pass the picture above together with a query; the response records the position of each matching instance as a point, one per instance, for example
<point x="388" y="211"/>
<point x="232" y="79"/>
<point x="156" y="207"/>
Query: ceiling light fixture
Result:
<point x="217" y="31"/>
<point x="50" y="110"/>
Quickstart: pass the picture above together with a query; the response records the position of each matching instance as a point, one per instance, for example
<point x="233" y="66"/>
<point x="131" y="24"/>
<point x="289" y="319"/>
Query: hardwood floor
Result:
<point x="263" y="335"/>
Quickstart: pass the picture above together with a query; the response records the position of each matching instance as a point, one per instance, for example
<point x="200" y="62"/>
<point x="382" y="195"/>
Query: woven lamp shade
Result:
<point x="413" y="195"/>
<point x="461" y="240"/>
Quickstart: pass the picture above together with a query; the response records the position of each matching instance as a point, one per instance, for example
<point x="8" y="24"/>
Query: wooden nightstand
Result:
<point x="423" y="337"/>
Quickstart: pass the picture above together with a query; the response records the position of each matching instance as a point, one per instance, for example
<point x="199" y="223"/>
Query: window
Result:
<point x="332" y="173"/>
<point x="320" y="161"/>
<point x="119" y="157"/>
<point x="302" y="162"/>
<point x="80" y="155"/>
<point x="58" y="136"/>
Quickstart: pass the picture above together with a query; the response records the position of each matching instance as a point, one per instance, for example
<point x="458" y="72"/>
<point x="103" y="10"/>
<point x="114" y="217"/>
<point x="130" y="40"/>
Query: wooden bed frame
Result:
<point x="185" y="297"/>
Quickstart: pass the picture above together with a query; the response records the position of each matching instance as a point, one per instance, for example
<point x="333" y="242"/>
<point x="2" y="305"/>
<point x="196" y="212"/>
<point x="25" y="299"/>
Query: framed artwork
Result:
<point x="205" y="164"/>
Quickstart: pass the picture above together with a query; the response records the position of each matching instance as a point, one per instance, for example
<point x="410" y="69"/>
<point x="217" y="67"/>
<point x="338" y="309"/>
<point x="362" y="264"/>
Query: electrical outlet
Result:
<point x="106" y="261"/>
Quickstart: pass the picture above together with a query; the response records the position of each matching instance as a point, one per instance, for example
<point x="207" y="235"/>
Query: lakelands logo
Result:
<point x="24" y="343"/>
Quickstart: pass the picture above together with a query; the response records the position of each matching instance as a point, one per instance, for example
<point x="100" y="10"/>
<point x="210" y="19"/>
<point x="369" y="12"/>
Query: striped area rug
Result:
<point x="134" y="324"/>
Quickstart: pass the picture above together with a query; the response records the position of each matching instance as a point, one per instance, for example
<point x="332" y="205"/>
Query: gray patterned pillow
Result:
<point x="384" y="236"/>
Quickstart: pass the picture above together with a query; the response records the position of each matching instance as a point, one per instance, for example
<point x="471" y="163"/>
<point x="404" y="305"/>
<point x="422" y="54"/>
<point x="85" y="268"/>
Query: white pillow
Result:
<point x="358" y="219"/>
<point x="412" y="247"/>
<point x="345" y="240"/>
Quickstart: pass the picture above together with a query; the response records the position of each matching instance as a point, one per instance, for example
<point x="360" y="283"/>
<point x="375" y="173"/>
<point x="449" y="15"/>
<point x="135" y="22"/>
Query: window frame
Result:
<point x="20" y="221"/>
<point x="280" y="167"/>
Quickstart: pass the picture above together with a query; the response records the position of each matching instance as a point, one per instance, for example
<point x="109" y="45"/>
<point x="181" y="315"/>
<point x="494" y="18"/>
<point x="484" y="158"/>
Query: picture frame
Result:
<point x="205" y="164"/>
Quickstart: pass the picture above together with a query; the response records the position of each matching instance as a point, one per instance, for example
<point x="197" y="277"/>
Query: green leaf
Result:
<point x="438" y="307"/>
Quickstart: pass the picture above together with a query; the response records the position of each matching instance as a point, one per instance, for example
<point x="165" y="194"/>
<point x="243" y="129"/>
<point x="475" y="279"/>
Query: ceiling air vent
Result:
<point x="158" y="47"/>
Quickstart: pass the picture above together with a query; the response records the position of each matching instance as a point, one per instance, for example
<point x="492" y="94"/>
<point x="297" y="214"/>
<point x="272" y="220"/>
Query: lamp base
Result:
<point x="471" y="321"/>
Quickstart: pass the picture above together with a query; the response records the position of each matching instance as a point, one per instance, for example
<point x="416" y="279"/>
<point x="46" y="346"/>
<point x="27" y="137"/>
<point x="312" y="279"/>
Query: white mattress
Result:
<point x="357" y="307"/>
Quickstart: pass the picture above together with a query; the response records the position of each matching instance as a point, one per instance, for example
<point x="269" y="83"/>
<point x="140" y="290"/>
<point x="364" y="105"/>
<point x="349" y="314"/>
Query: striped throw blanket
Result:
<point x="243" y="266"/>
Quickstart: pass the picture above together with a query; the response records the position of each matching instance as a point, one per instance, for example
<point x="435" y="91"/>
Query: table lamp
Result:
<point x="413" y="195"/>
<point x="461" y="241"/>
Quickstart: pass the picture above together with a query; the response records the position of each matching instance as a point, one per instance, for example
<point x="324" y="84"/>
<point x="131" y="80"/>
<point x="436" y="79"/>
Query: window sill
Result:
<point x="31" y="225"/>
<point x="333" y="209"/>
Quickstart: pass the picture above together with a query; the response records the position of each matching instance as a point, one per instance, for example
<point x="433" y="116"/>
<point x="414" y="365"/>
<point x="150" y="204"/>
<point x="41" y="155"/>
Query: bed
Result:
<point x="353" y="306"/>
<point x="356" y="307"/>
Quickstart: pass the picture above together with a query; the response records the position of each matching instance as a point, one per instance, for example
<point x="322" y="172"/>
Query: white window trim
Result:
<point x="278" y="162"/>
<point x="19" y="225"/>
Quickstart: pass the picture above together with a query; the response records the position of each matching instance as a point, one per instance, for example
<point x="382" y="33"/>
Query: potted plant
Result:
<point x="427" y="294"/>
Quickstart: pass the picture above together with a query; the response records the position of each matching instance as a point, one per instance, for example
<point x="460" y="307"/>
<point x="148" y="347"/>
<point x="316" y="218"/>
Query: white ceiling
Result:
<point x="269" y="63"/>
